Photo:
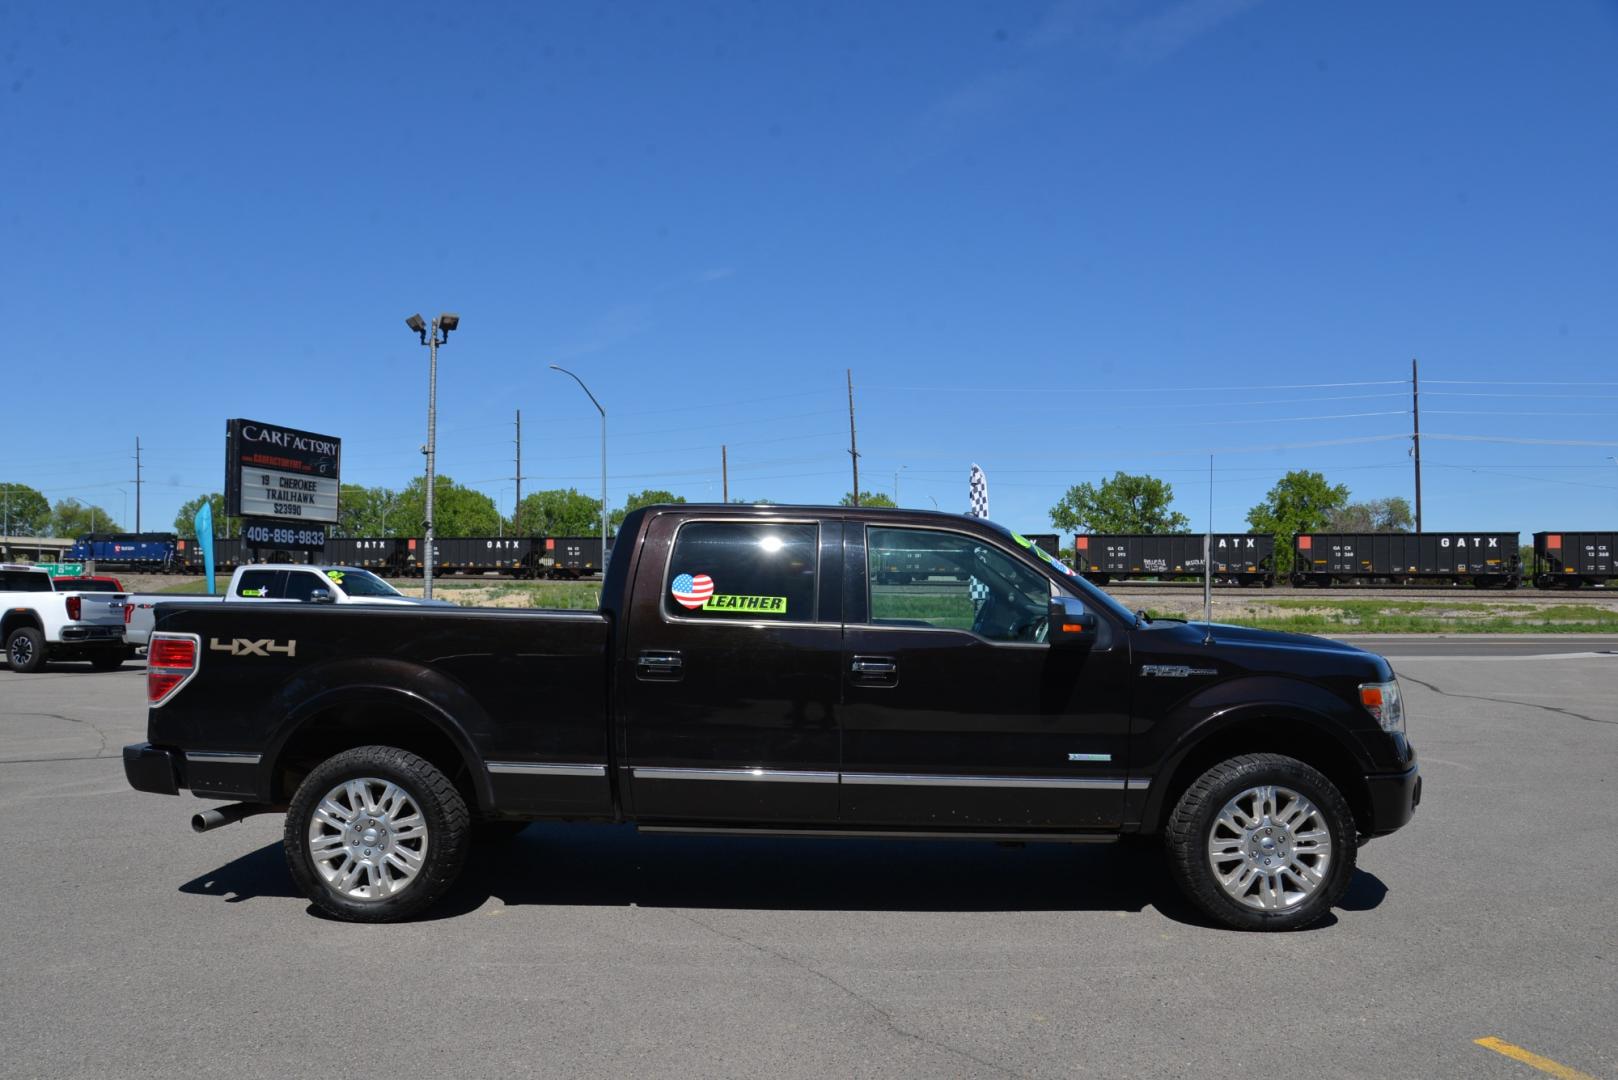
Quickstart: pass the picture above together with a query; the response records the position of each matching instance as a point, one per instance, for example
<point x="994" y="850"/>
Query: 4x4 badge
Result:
<point x="246" y="647"/>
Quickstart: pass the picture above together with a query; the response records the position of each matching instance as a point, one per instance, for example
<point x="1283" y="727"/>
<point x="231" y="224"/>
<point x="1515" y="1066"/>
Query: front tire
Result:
<point x="1262" y="842"/>
<point x="25" y="649"/>
<point x="376" y="834"/>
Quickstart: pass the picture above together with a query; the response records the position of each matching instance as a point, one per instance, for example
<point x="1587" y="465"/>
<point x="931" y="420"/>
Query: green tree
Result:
<point x="457" y="510"/>
<point x="222" y="526"/>
<point x="867" y="498"/>
<point x="23" y="511"/>
<point x="365" y="511"/>
<point x="1300" y="502"/>
<point x="559" y="512"/>
<point x="1388" y="515"/>
<point x="1123" y="504"/>
<point x="71" y="518"/>
<point x="639" y="499"/>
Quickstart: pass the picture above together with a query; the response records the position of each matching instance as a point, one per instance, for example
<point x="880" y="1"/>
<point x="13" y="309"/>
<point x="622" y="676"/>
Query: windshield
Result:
<point x="360" y="582"/>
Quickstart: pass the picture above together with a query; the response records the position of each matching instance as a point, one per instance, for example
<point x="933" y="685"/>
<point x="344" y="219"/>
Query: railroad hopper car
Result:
<point x="1484" y="559"/>
<point x="1238" y="558"/>
<point x="1570" y="560"/>
<point x="1049" y="543"/>
<point x="479" y="554"/>
<point x="566" y="557"/>
<point x="382" y="555"/>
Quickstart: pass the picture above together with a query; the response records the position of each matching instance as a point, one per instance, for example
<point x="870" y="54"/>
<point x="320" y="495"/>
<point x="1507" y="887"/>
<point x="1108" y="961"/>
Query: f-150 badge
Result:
<point x="1176" y="671"/>
<point x="246" y="647"/>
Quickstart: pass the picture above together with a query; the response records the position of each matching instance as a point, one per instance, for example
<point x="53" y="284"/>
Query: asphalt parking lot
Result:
<point x="135" y="948"/>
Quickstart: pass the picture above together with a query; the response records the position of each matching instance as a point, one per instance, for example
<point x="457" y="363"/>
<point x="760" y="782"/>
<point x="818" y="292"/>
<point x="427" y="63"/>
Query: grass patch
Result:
<point x="197" y="587"/>
<point x="1371" y="617"/>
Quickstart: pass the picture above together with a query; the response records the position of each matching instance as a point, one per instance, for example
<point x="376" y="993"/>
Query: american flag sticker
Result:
<point x="692" y="590"/>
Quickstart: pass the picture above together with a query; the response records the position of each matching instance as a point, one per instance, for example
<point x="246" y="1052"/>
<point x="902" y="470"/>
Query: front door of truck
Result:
<point x="729" y="674"/>
<point x="957" y="714"/>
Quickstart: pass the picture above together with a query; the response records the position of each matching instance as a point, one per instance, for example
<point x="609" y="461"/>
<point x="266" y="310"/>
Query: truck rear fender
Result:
<point x="377" y="702"/>
<point x="1269" y="714"/>
<point x="19" y="617"/>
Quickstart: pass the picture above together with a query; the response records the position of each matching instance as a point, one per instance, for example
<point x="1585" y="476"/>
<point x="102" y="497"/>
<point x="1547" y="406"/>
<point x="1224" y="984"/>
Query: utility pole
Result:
<point x="137" y="483"/>
<point x="1415" y="414"/>
<point x="853" y="446"/>
<point x="516" y="507"/>
<point x="724" y="473"/>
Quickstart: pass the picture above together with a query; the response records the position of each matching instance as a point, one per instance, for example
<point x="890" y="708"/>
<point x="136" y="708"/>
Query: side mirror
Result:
<point x="1071" y="623"/>
<point x="322" y="596"/>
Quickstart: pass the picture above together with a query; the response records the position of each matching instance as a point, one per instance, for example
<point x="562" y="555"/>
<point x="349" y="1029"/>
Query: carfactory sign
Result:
<point x="288" y="479"/>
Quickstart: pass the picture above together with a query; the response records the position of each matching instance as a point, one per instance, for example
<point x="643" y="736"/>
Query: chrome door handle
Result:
<point x="875" y="670"/>
<point x="666" y="665"/>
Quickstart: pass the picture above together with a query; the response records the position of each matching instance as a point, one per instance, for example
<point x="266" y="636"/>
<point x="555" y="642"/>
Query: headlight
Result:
<point x="1382" y="700"/>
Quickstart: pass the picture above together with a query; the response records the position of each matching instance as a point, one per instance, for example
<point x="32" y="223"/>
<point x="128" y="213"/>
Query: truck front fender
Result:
<point x="1294" y="711"/>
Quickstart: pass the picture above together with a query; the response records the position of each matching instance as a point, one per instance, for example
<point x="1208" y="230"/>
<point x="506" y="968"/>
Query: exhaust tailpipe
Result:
<point x="224" y="815"/>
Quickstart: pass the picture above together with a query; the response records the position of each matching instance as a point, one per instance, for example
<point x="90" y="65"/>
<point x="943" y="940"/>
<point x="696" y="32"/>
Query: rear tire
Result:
<point x="1262" y="842"/>
<point x="376" y="834"/>
<point x="25" y="649"/>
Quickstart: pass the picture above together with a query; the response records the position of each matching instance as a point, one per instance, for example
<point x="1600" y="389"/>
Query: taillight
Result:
<point x="75" y="606"/>
<point x="129" y="613"/>
<point x="171" y="659"/>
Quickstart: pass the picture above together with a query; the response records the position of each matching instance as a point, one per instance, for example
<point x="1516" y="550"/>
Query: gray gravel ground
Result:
<point x="134" y="948"/>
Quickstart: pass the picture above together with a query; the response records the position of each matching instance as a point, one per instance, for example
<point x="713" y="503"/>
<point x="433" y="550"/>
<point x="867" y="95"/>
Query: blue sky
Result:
<point x="1057" y="239"/>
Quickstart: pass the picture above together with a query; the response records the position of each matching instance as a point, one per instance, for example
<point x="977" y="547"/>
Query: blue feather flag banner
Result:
<point x="204" y="524"/>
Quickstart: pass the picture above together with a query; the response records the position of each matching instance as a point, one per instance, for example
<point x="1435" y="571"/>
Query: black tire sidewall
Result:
<point x="448" y="827"/>
<point x="36" y="660"/>
<point x="1193" y="817"/>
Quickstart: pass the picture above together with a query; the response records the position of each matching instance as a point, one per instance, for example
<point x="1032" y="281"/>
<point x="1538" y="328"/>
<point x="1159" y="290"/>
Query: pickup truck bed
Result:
<point x="764" y="669"/>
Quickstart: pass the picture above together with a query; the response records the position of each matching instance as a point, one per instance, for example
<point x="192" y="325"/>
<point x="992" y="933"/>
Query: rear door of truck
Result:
<point x="729" y="675"/>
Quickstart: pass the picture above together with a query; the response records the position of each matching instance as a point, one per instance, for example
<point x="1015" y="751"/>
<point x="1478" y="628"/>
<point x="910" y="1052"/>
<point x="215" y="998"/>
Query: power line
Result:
<point x="1156" y="389"/>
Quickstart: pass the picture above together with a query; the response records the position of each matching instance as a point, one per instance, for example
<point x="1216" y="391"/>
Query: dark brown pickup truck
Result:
<point x="788" y="670"/>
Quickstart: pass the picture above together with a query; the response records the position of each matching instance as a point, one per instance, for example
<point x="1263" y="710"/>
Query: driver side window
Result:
<point x="919" y="577"/>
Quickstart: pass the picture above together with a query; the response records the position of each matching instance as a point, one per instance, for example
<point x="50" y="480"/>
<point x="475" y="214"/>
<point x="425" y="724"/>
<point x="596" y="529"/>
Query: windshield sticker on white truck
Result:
<point x="335" y="575"/>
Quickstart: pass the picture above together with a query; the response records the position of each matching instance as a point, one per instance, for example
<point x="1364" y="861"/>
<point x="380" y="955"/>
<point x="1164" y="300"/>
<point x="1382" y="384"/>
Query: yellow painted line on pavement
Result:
<point x="1528" y="1057"/>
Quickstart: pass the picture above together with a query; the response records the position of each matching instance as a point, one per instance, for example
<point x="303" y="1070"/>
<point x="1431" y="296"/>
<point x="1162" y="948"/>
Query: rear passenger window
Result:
<point x="733" y="571"/>
<point x="260" y="583"/>
<point x="24" y="581"/>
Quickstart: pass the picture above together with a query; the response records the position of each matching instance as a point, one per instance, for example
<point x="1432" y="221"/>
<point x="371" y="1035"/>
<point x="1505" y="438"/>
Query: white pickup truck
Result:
<point x="266" y="582"/>
<point x="42" y="621"/>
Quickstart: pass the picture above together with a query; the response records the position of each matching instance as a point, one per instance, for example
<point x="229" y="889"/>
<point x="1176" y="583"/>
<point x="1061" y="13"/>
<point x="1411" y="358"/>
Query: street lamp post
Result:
<point x="431" y="336"/>
<point x="603" y="412"/>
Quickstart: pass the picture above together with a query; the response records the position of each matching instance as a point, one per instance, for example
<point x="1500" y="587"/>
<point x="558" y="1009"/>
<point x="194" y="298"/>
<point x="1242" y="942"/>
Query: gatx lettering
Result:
<point x="251" y="647"/>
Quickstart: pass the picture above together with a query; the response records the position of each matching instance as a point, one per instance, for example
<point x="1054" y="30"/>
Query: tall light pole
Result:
<point x="431" y="336"/>
<point x="603" y="412"/>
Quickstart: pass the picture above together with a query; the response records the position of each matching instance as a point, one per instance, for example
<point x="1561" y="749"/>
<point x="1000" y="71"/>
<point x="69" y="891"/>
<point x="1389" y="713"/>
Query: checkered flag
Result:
<point x="978" y="489"/>
<point x="977" y="486"/>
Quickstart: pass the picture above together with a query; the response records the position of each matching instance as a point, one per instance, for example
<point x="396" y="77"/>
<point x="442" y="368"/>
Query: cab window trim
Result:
<point x="687" y="620"/>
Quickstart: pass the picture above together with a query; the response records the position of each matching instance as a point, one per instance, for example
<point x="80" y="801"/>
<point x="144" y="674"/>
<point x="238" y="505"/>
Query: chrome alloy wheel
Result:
<point x="1269" y="848"/>
<point x="368" y="838"/>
